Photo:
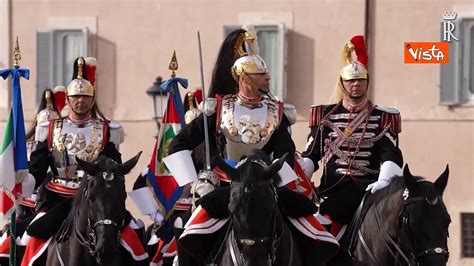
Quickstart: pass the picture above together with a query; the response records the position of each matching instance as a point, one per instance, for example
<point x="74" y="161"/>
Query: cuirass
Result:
<point x="71" y="141"/>
<point x="247" y="128"/>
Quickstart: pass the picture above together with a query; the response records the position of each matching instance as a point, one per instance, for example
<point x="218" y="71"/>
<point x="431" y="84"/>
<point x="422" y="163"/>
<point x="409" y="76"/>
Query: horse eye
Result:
<point x="433" y="201"/>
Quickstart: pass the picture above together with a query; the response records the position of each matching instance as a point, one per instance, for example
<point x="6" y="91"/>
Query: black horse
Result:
<point x="407" y="224"/>
<point x="259" y="231"/>
<point x="98" y="215"/>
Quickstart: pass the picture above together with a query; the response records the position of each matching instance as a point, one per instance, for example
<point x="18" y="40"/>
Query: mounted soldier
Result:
<point x="354" y="140"/>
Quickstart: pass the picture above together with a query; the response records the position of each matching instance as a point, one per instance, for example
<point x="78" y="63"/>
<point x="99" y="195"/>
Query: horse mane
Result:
<point x="397" y="184"/>
<point x="424" y="188"/>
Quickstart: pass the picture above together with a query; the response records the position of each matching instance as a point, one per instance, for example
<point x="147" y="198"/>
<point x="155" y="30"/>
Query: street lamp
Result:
<point x="155" y="92"/>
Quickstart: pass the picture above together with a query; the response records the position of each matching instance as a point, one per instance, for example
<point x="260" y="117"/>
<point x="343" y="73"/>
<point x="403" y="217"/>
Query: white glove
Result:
<point x="307" y="165"/>
<point x="157" y="218"/>
<point x="378" y="185"/>
<point x="388" y="170"/>
<point x="207" y="181"/>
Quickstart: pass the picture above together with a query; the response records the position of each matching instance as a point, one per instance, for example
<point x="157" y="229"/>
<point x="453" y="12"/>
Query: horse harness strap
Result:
<point x="90" y="242"/>
<point x="429" y="251"/>
<point x="355" y="227"/>
<point x="393" y="247"/>
<point x="250" y="242"/>
<point x="366" y="247"/>
<point x="389" y="242"/>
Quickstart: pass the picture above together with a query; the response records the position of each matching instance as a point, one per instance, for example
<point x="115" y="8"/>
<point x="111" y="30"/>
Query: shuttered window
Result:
<point x="467" y="234"/>
<point x="457" y="77"/>
<point x="56" y="51"/>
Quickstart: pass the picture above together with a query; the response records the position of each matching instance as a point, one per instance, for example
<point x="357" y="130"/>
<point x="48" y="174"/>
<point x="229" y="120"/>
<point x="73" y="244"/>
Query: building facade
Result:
<point x="134" y="40"/>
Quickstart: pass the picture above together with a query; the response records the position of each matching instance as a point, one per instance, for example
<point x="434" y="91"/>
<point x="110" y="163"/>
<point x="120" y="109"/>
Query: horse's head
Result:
<point x="253" y="206"/>
<point x="424" y="219"/>
<point x="103" y="205"/>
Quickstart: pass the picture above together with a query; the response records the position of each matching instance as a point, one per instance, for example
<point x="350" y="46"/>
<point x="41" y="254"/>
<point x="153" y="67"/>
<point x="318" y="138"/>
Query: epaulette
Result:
<point x="290" y="112"/>
<point x="316" y="113"/>
<point x="211" y="106"/>
<point x="41" y="131"/>
<point x="116" y="133"/>
<point x="391" y="118"/>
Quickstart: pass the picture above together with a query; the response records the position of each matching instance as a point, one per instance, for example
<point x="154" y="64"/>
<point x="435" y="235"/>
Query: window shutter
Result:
<point x="467" y="27"/>
<point x="271" y="40"/>
<point x="450" y="74"/>
<point x="44" y="62"/>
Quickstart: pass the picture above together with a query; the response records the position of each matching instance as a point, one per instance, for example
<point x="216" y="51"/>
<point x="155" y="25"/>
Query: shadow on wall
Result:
<point x="300" y="67"/>
<point x="107" y="76"/>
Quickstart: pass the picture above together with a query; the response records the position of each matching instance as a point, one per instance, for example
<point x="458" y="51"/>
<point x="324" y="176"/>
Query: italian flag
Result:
<point x="166" y="189"/>
<point x="8" y="186"/>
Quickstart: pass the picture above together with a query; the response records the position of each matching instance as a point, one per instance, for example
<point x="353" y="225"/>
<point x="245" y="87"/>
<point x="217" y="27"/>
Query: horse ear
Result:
<point x="442" y="181"/>
<point x="128" y="165"/>
<point x="229" y="170"/>
<point x="275" y="166"/>
<point x="89" y="168"/>
<point x="406" y="171"/>
<point x="410" y="182"/>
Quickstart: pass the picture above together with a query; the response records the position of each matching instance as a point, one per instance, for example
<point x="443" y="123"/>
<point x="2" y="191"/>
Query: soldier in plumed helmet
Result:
<point x="84" y="133"/>
<point x="241" y="116"/>
<point x="354" y="141"/>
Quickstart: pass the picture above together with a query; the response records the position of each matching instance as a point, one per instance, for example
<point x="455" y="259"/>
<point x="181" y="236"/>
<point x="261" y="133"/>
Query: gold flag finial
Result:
<point x="173" y="64"/>
<point x="16" y="54"/>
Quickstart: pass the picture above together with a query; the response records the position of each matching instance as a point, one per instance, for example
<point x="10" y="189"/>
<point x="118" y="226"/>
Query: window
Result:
<point x="56" y="50"/>
<point x="457" y="77"/>
<point x="271" y="40"/>
<point x="467" y="234"/>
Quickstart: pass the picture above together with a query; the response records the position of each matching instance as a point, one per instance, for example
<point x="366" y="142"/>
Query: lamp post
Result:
<point x="155" y="92"/>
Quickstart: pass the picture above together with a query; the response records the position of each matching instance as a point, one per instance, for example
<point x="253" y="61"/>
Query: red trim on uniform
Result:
<point x="302" y="185"/>
<point x="61" y="189"/>
<point x="50" y="133"/>
<point x="315" y="115"/>
<point x="221" y="174"/>
<point x="201" y="217"/>
<point x="393" y="121"/>
<point x="34" y="249"/>
<point x="281" y="108"/>
<point x="130" y="241"/>
<point x="5" y="247"/>
<point x="218" y="112"/>
<point x="171" y="249"/>
<point x="158" y="257"/>
<point x="105" y="134"/>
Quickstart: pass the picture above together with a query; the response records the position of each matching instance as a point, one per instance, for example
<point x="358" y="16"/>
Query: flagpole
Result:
<point x="12" y="260"/>
<point x="16" y="65"/>
<point x="15" y="149"/>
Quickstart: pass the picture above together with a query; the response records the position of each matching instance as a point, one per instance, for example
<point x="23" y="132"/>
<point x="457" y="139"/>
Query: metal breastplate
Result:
<point x="245" y="128"/>
<point x="71" y="141"/>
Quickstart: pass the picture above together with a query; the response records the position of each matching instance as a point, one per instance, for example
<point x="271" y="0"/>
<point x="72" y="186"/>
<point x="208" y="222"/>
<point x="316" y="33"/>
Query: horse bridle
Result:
<point x="393" y="247"/>
<point x="274" y="238"/>
<point x="90" y="242"/>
